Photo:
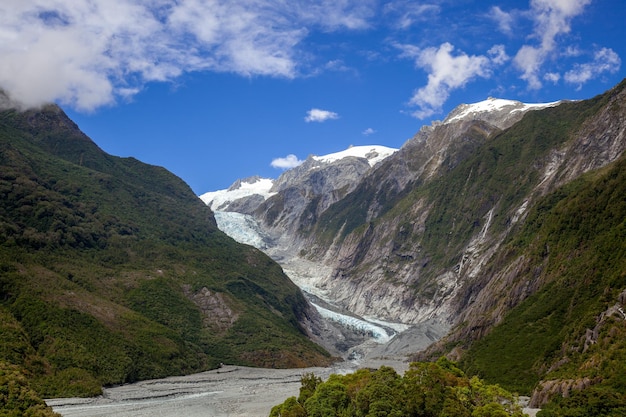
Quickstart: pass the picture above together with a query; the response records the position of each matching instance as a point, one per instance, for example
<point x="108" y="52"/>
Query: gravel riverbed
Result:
<point x="231" y="391"/>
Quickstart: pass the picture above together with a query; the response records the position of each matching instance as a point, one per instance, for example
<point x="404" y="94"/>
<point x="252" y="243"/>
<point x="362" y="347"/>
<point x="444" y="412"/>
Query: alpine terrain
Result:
<point x="496" y="237"/>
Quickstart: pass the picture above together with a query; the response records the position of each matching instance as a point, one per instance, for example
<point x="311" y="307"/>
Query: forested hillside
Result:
<point x="112" y="270"/>
<point x="571" y="333"/>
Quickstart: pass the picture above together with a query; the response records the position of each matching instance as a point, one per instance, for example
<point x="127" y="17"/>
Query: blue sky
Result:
<point x="216" y="90"/>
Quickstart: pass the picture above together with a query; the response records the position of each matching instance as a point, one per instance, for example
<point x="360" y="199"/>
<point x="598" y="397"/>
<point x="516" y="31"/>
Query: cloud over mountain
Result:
<point x="289" y="161"/>
<point x="91" y="53"/>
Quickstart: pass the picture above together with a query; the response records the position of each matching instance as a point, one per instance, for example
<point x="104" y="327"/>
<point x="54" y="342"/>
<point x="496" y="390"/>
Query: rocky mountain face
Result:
<point x="430" y="233"/>
<point x="293" y="201"/>
<point x="306" y="191"/>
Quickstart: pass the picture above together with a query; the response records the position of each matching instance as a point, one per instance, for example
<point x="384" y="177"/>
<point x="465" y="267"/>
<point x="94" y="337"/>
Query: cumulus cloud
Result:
<point x="447" y="71"/>
<point x="551" y="19"/>
<point x="369" y="131"/>
<point x="89" y="53"/>
<point x="318" y="115"/>
<point x="288" y="162"/>
<point x="605" y="60"/>
<point x="498" y="54"/>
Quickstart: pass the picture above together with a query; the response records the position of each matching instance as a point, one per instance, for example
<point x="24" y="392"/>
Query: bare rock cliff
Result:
<point x="420" y="237"/>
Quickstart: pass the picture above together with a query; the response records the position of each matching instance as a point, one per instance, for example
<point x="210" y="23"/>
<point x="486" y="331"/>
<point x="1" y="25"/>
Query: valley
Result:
<point x="498" y="232"/>
<point x="241" y="391"/>
<point x="231" y="391"/>
<point x="342" y="332"/>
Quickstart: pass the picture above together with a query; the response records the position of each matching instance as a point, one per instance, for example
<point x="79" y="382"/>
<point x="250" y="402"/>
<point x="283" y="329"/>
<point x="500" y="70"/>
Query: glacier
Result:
<point x="379" y="334"/>
<point x="243" y="228"/>
<point x="241" y="189"/>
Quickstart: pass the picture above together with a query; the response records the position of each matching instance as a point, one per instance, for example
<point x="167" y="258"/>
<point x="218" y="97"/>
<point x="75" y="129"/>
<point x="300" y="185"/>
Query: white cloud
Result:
<point x="447" y="72"/>
<point x="605" y="60"/>
<point x="407" y="13"/>
<point x="89" y="53"/>
<point x="369" y="131"/>
<point x="288" y="162"/>
<point x="529" y="59"/>
<point x="498" y="54"/>
<point x="331" y="14"/>
<point x="572" y="51"/>
<point x="552" y="18"/>
<point x="553" y="77"/>
<point x="503" y="19"/>
<point x="318" y="115"/>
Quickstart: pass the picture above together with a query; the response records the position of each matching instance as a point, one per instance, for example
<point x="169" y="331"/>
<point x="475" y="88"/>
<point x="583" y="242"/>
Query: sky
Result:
<point x="218" y="90"/>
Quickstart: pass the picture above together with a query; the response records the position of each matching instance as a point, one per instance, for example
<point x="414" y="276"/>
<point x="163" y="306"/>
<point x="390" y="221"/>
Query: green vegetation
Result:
<point x="484" y="176"/>
<point x="579" y="234"/>
<point x="497" y="176"/>
<point x="426" y="389"/>
<point x="592" y="402"/>
<point x="113" y="271"/>
<point x="17" y="398"/>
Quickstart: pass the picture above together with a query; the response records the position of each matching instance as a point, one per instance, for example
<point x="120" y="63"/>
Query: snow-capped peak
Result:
<point x="487" y="109"/>
<point x="240" y="189"/>
<point x="373" y="153"/>
<point x="261" y="187"/>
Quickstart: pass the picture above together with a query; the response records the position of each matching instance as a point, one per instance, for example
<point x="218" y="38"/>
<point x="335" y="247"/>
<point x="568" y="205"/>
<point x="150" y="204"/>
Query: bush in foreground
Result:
<point x="426" y="389"/>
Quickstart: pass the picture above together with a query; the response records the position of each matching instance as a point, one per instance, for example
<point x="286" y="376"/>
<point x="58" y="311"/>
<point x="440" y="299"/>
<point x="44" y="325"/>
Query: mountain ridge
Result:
<point x="426" y="234"/>
<point x="255" y="186"/>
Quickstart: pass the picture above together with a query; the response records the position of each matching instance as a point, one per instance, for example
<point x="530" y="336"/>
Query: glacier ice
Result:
<point x="378" y="333"/>
<point x="243" y="228"/>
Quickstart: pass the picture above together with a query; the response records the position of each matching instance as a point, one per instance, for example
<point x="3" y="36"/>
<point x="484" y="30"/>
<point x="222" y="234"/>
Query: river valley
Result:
<point x="242" y="391"/>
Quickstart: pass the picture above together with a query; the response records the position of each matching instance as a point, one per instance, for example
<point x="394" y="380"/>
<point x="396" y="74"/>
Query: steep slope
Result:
<point x="408" y="241"/>
<point x="111" y="270"/>
<point x="487" y="227"/>
<point x="292" y="202"/>
<point x="570" y="332"/>
<point x="504" y="224"/>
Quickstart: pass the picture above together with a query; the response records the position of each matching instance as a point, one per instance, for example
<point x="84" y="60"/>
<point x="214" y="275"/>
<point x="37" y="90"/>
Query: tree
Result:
<point x="308" y="384"/>
<point x="290" y="408"/>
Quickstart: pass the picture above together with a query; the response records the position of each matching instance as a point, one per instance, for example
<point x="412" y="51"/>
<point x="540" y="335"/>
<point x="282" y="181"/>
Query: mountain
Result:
<point x="245" y="195"/>
<point x="302" y="191"/>
<point x="504" y="224"/>
<point x="112" y="270"/>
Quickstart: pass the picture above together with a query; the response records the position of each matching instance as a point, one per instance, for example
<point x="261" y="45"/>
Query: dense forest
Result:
<point x="113" y="271"/>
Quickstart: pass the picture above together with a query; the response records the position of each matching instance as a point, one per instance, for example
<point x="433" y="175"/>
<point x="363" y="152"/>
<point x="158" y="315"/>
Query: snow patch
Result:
<point x="373" y="153"/>
<point x="470" y="111"/>
<point x="219" y="199"/>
